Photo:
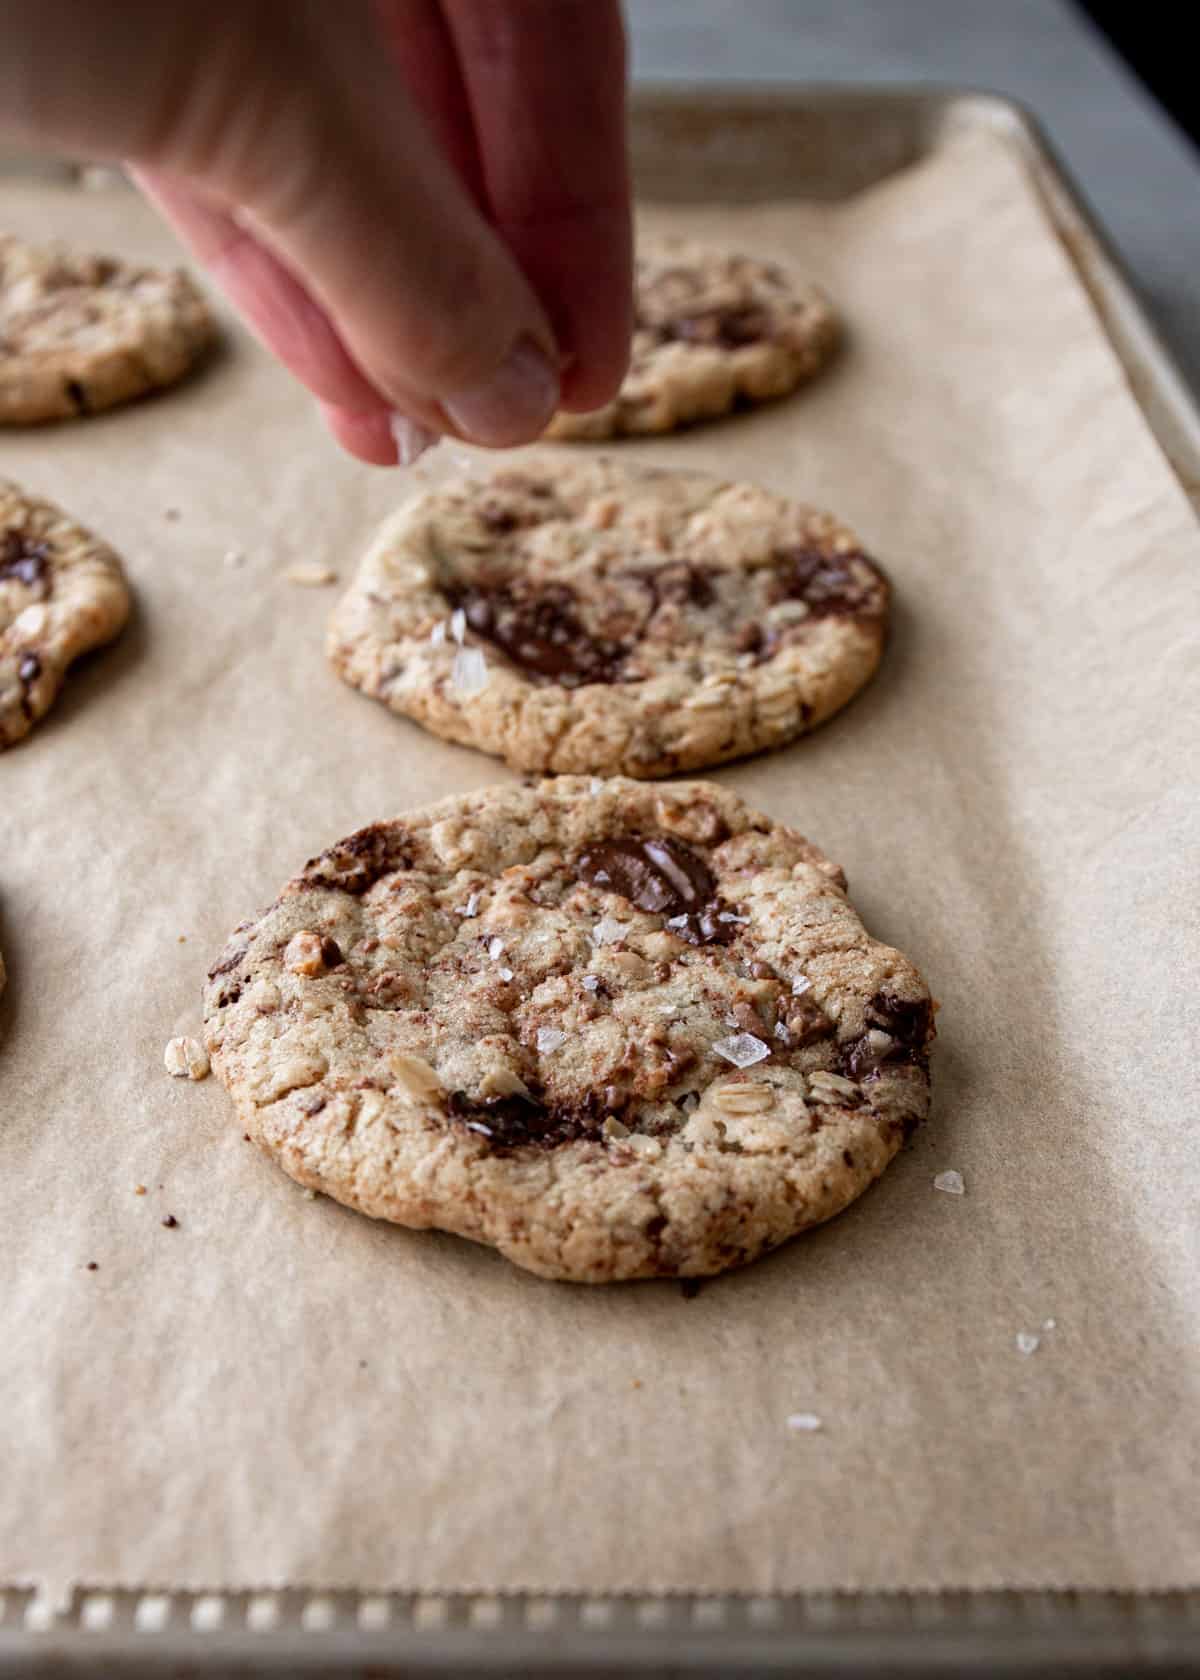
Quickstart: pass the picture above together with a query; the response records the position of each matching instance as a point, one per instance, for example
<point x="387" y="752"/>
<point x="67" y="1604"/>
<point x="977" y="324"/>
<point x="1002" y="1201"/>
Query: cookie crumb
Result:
<point x="951" y="1182"/>
<point x="469" y="673"/>
<point x="171" y="515"/>
<point x="186" y="1058"/>
<point x="310" y="577"/>
<point x="309" y="1195"/>
<point x="170" y="1223"/>
<point x="805" y="1423"/>
<point x="742" y="1049"/>
<point x="181" y="939"/>
<point x="93" y="1266"/>
<point x="1049" y="1324"/>
<point x="234" y="557"/>
<point x="636" y="1383"/>
<point x="139" y="1189"/>
<point x="1028" y="1342"/>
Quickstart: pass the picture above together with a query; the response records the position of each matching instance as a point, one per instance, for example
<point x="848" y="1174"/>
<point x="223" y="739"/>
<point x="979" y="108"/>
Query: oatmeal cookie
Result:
<point x="594" y="616"/>
<point x="80" y="333"/>
<point x="62" y="591"/>
<point x="712" y="330"/>
<point x="616" y="1030"/>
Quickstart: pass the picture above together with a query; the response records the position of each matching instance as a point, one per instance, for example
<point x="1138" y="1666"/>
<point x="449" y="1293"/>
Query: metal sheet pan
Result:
<point x="716" y="142"/>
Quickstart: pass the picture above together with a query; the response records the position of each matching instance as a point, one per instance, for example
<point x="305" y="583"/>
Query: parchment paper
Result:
<point x="279" y="1391"/>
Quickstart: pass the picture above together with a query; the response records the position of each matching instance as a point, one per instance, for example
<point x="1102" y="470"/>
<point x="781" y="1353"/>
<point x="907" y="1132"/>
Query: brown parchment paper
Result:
<point x="279" y="1391"/>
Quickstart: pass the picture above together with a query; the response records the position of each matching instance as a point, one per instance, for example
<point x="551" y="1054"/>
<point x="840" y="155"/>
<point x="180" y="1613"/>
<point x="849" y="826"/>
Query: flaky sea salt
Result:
<point x="595" y="785"/>
<point x="549" y="1039"/>
<point x="590" y="982"/>
<point x="1027" y="1342"/>
<point x="458" y="625"/>
<point x="677" y="921"/>
<point x="800" y="985"/>
<point x="951" y="1182"/>
<point x="728" y="916"/>
<point x="469" y="671"/>
<point x="495" y="949"/>
<point x="1049" y="1323"/>
<point x="438" y="634"/>
<point x="471" y="907"/>
<point x="781" y="1031"/>
<point x="505" y="974"/>
<point x="742" y="1049"/>
<point x="804" y="1422"/>
<point x="607" y="931"/>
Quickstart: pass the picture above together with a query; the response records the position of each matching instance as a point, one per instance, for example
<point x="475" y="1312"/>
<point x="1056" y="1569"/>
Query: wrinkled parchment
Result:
<point x="278" y="1391"/>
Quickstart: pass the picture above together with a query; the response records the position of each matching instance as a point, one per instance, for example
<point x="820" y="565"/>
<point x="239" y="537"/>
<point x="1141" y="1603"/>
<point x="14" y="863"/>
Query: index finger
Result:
<point x="545" y="80"/>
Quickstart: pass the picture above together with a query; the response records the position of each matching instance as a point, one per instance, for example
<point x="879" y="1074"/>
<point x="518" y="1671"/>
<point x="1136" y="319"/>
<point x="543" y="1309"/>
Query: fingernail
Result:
<point x="411" y="439"/>
<point x="513" y="405"/>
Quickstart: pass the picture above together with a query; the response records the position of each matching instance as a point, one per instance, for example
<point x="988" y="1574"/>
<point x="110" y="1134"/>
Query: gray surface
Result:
<point x="1136" y="169"/>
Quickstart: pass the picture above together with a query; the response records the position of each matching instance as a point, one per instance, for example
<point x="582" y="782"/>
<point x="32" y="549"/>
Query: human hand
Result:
<point x="421" y="206"/>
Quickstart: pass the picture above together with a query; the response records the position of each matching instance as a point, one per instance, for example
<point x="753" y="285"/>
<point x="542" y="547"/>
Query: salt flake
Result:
<point x="1027" y="1342"/>
<point x="548" y="1039"/>
<point x="805" y="1422"/>
<point x="781" y="1031"/>
<point x="951" y="1182"/>
<point x="505" y="974"/>
<point x="470" y="907"/>
<point x="458" y="625"/>
<point x="595" y="785"/>
<point x="742" y="1049"/>
<point x="607" y="931"/>
<point x="495" y="949"/>
<point x="677" y="921"/>
<point x="590" y="982"/>
<point x="469" y="671"/>
<point x="1049" y="1324"/>
<point x="800" y="985"/>
<point x="438" y="634"/>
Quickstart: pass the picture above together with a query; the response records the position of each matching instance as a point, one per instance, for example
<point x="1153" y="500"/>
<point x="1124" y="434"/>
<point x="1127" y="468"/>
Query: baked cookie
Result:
<point x="614" y="1030"/>
<point x="592" y="616"/>
<point x="80" y="333"/>
<point x="711" y="330"/>
<point x="62" y="591"/>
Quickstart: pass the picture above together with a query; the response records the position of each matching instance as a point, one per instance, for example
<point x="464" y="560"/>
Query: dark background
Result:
<point x="1152" y="41"/>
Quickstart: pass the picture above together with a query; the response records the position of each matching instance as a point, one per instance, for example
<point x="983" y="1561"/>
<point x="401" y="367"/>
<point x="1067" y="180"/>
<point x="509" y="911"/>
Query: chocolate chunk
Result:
<point x="690" y="1287"/>
<point x="679" y="584"/>
<point x="806" y="1021"/>
<point x="728" y="328"/>
<point x="29" y="668"/>
<point x="357" y="863"/>
<point x="521" y="1121"/>
<point x="331" y="953"/>
<point x="827" y="583"/>
<point x="540" y="630"/>
<point x="227" y="964"/>
<point x="22" y="558"/>
<point x="908" y="1028"/>
<point x="78" y="396"/>
<point x="662" y="875"/>
<point x="170" y="1223"/>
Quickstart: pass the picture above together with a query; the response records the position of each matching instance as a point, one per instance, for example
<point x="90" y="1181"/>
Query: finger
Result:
<point x="348" y="187"/>
<point x="546" y="83"/>
<point x="422" y="48"/>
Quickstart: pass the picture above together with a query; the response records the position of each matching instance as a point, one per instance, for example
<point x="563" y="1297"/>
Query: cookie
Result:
<point x="615" y="1030"/>
<point x="712" y="330"/>
<point x="62" y="591"/>
<point x="80" y="333"/>
<point x="593" y="616"/>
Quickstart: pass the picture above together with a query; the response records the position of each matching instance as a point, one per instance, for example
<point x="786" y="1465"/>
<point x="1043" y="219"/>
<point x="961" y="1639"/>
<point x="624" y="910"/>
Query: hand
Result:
<point x="421" y="206"/>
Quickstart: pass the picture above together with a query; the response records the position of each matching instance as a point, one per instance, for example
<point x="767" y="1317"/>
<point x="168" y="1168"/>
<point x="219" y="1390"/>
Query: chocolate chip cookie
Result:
<point x="62" y="591"/>
<point x="615" y="1030"/>
<point x="80" y="333"/>
<point x="712" y="330"/>
<point x="603" y="617"/>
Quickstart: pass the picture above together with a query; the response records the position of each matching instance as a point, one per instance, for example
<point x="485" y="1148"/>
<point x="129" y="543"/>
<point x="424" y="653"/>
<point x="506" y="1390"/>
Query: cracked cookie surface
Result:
<point x="712" y="330"/>
<point x="80" y="333"/>
<point x="62" y="591"/>
<point x="609" y="618"/>
<point x="615" y="1030"/>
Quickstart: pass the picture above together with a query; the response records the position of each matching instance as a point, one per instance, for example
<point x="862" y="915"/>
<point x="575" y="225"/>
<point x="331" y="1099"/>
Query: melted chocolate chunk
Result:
<point x="540" y="631"/>
<point x="907" y="1023"/>
<point x="516" y="1121"/>
<point x="826" y="583"/>
<point x="358" y="862"/>
<point x="331" y="953"/>
<point x="728" y="328"/>
<point x="662" y="875"/>
<point x="22" y="559"/>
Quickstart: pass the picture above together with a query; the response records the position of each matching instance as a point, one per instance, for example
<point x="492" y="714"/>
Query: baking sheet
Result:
<point x="279" y="1392"/>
